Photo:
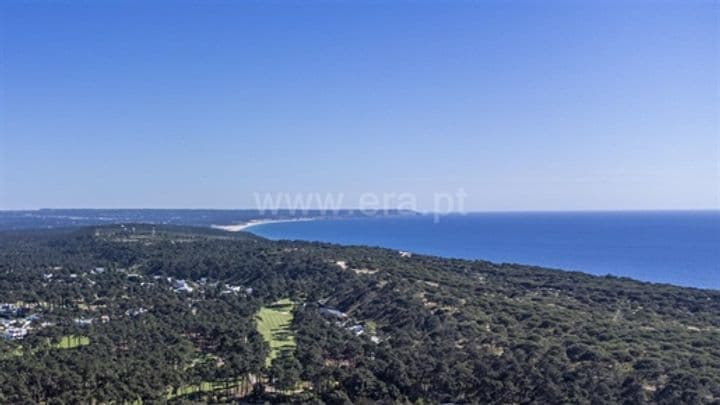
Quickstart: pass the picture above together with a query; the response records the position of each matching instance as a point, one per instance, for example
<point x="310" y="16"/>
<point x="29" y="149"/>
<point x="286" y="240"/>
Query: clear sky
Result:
<point x="524" y="105"/>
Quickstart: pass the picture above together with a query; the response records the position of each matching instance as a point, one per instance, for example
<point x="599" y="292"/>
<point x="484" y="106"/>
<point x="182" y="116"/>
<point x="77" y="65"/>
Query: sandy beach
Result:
<point x="255" y="222"/>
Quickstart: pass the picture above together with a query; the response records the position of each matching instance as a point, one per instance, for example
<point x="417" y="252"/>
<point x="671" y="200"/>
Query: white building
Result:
<point x="332" y="313"/>
<point x="13" y="333"/>
<point x="135" y="312"/>
<point x="182" y="286"/>
<point x="83" y="321"/>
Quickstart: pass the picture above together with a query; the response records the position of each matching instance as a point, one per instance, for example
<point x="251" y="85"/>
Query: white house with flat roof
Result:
<point x="182" y="286"/>
<point x="13" y="333"/>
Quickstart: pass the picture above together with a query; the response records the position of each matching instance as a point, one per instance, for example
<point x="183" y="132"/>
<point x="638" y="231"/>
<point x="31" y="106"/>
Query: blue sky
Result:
<point x="523" y="105"/>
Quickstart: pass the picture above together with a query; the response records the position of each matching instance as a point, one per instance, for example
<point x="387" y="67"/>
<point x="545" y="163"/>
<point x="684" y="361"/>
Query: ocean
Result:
<point x="675" y="247"/>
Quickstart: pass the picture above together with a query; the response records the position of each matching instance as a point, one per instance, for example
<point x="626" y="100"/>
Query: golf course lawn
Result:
<point x="66" y="342"/>
<point x="273" y="323"/>
<point x="205" y="386"/>
<point x="72" y="341"/>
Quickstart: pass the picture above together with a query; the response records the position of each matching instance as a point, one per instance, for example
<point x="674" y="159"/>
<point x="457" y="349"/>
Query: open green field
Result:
<point x="203" y="387"/>
<point x="66" y="342"/>
<point x="273" y="323"/>
<point x="13" y="352"/>
<point x="71" y="342"/>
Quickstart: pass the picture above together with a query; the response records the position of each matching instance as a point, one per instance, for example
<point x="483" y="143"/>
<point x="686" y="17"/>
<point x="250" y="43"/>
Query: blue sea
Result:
<point x="681" y="248"/>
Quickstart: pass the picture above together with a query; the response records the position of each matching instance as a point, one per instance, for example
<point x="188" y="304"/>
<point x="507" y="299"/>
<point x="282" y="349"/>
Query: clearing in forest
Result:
<point x="273" y="323"/>
<point x="71" y="342"/>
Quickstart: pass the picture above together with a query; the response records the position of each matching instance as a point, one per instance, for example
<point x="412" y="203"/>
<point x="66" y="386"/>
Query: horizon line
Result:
<point x="379" y="210"/>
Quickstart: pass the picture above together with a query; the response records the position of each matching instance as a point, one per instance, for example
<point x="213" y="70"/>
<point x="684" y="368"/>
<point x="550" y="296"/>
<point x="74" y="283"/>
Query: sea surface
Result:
<point x="681" y="248"/>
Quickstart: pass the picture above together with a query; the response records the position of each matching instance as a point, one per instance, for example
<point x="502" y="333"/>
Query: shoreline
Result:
<point x="632" y="267"/>
<point x="255" y="222"/>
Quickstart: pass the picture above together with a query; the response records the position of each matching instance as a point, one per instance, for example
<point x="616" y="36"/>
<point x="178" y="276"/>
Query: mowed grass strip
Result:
<point x="203" y="387"/>
<point x="273" y="323"/>
<point x="71" y="342"/>
<point x="66" y="342"/>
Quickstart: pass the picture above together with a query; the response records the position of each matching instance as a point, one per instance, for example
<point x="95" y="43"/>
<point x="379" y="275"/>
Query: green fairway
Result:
<point x="273" y="323"/>
<point x="66" y="342"/>
<point x="12" y="352"/>
<point x="203" y="387"/>
<point x="71" y="342"/>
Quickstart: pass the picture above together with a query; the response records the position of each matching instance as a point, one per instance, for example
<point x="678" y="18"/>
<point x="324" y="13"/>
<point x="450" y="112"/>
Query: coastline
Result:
<point x="679" y="253"/>
<point x="256" y="222"/>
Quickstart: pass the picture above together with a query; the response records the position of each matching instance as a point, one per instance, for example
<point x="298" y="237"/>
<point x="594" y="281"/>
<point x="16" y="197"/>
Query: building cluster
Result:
<point x="17" y="320"/>
<point x="343" y="320"/>
<point x="183" y="286"/>
<point x="14" y="323"/>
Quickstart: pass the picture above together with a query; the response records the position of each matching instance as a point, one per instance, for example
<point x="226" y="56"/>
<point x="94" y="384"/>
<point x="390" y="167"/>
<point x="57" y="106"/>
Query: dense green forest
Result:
<point x="135" y="313"/>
